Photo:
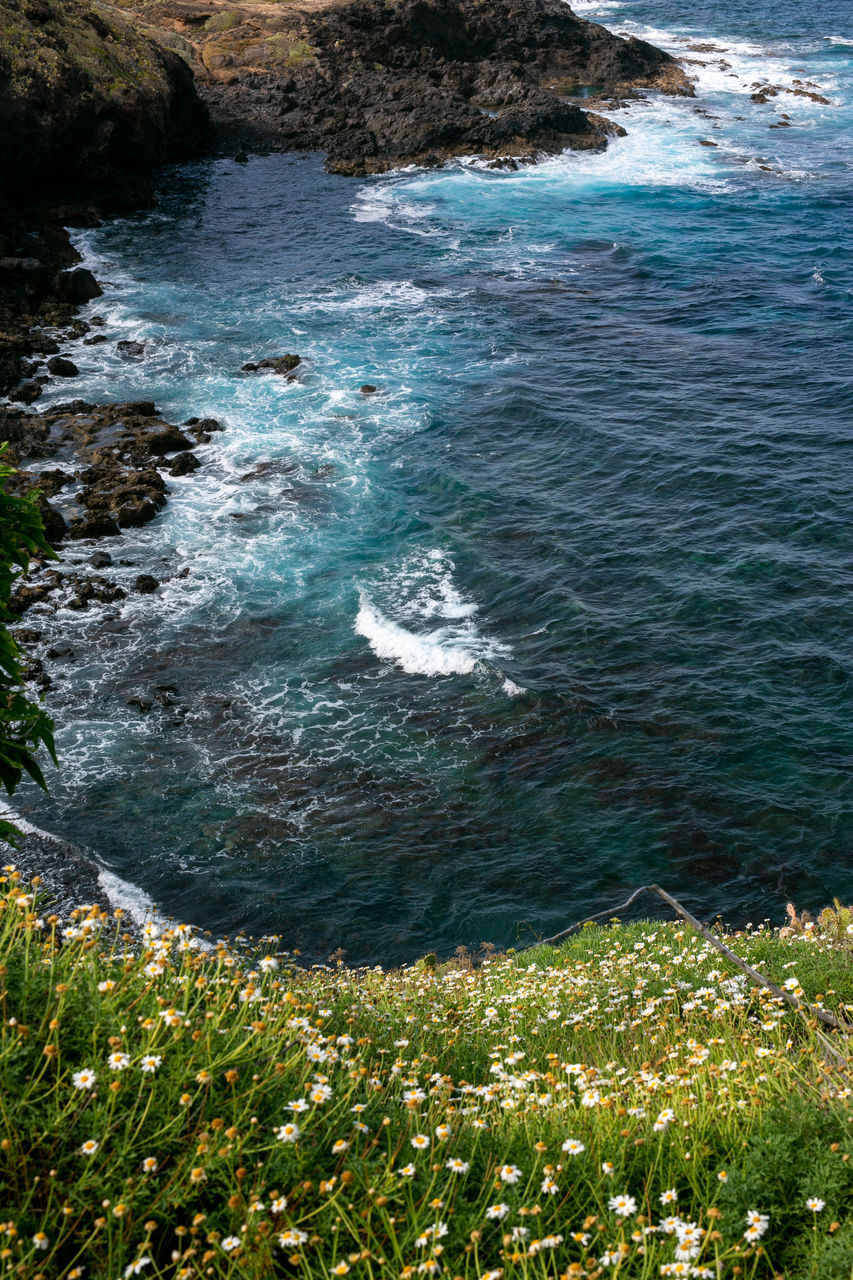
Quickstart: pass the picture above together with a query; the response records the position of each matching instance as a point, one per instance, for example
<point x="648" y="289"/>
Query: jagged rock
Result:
<point x="184" y="464"/>
<point x="76" y="286"/>
<point x="168" y="440"/>
<point x="61" y="367"/>
<point x="146" y="585"/>
<point x="26" y="393"/>
<point x="378" y="83"/>
<point x="278" y="364"/>
<point x="100" y="560"/>
<point x="129" y="350"/>
<point x="94" y="526"/>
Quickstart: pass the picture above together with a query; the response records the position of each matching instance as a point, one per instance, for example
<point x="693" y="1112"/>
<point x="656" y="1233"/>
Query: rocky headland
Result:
<point x="381" y="83"/>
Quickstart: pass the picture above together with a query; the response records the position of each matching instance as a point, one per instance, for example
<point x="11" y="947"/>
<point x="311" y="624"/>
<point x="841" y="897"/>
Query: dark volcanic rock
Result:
<point x="87" y="99"/>
<point x="130" y="350"/>
<point x="278" y="364"/>
<point x="378" y="83"/>
<point x="94" y="526"/>
<point x="146" y="585"/>
<point x="61" y="367"/>
<point x="184" y="465"/>
<point x="168" y="440"/>
<point x="76" y="286"/>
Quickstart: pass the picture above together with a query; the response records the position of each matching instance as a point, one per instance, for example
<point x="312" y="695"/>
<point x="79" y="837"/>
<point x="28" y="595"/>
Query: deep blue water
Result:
<point x="565" y="606"/>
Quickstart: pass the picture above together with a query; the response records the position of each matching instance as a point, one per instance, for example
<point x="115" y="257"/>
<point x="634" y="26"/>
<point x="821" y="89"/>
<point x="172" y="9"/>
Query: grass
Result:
<point x="624" y="1106"/>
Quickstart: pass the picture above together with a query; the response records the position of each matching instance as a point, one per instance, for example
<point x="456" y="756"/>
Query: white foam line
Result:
<point x="418" y="655"/>
<point x="120" y="893"/>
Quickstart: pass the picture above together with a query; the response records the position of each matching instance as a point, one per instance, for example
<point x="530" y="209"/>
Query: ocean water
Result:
<point x="565" y="606"/>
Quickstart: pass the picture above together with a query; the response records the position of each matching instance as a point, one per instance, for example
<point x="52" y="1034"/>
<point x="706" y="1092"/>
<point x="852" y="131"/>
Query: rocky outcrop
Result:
<point x="380" y="83"/>
<point x="87" y="103"/>
<point x="109" y="462"/>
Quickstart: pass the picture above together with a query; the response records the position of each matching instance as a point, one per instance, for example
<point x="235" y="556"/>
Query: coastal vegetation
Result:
<point x="624" y="1105"/>
<point x="24" y="724"/>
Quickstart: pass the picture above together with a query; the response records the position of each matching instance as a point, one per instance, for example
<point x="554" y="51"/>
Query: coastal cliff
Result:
<point x="88" y="104"/>
<point x="380" y="83"/>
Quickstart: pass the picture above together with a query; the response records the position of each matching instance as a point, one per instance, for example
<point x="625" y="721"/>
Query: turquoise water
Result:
<point x="565" y="606"/>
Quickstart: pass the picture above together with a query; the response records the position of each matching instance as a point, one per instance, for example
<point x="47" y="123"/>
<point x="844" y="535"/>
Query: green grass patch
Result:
<point x="626" y="1105"/>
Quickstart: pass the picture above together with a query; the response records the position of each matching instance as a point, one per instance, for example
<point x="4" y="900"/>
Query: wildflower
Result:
<point x="203" y="1077"/>
<point x="230" y="1243"/>
<point x="412" y="1097"/>
<point x="278" y="1205"/>
<point x="497" y="1211"/>
<point x="457" y="1166"/>
<point x="757" y="1224"/>
<point x="341" y="1269"/>
<point x="791" y="984"/>
<point x="287" y="1132"/>
<point x="420" y="1142"/>
<point x="197" y="1175"/>
<point x="40" y="1240"/>
<point x="549" y="1187"/>
<point x="89" y="1147"/>
<point x="150" y="1165"/>
<point x="339" y="1146"/>
<point x="606" y="1167"/>
<point x="136" y="1267"/>
<point x="623" y="1206"/>
<point x="665" y="1118"/>
<point x="430" y="1267"/>
<point x="590" y="1098"/>
<point x="408" y="1171"/>
<point x="443" y="1132"/>
<point x="572" y="1147"/>
<point x="84" y="1079"/>
<point x="299" y="1105"/>
<point x="320" y="1093"/>
<point x="509" y="1173"/>
<point x="814" y="1204"/>
<point x="150" y="1062"/>
<point x="105" y="986"/>
<point x="292" y="1238"/>
<point x="668" y="1197"/>
<point x="723" y="1176"/>
<point x="492" y="1275"/>
<point x="267" y="964"/>
<point x="118" y="1061"/>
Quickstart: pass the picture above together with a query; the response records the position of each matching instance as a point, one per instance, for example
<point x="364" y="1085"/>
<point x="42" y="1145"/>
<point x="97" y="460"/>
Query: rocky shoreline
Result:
<point x="94" y="97"/>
